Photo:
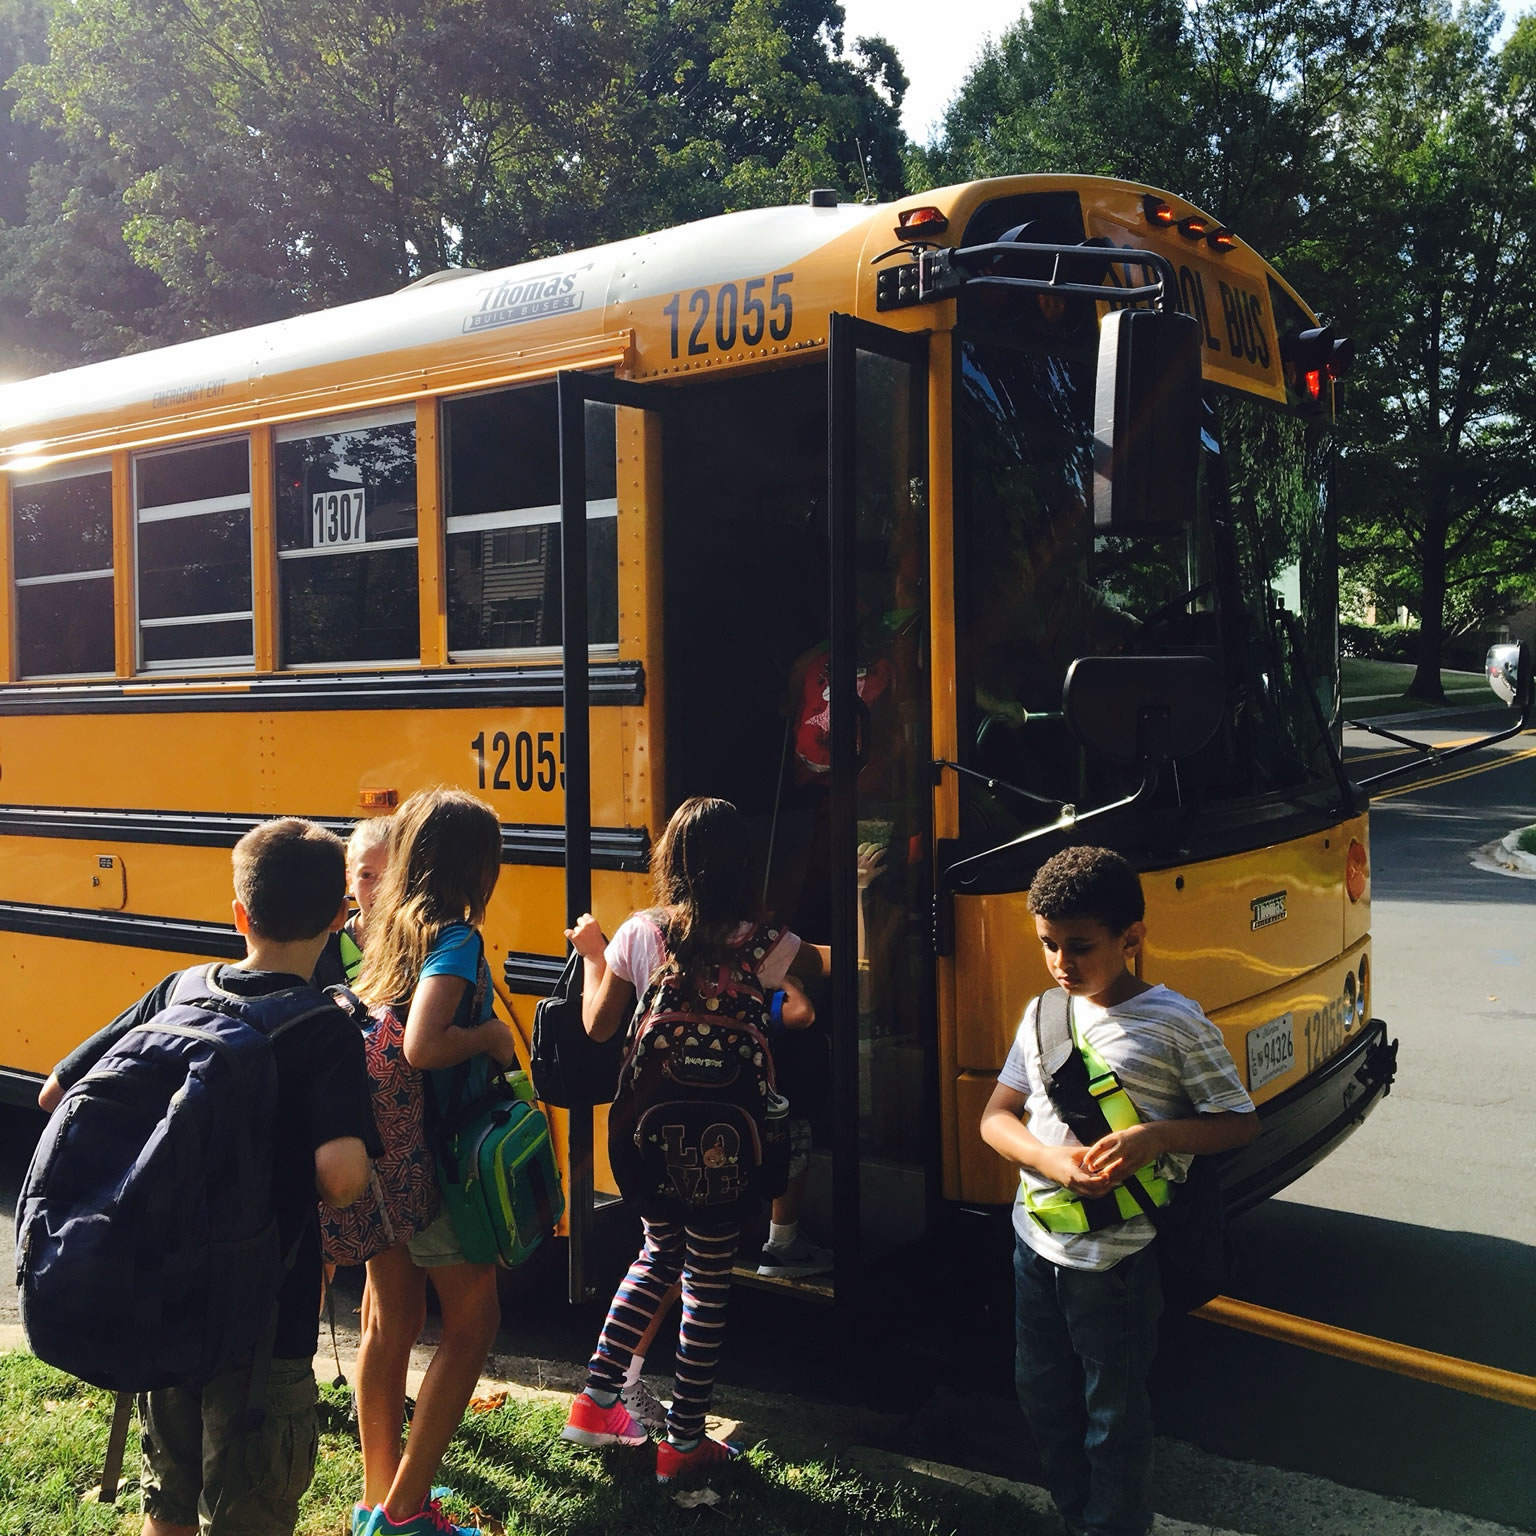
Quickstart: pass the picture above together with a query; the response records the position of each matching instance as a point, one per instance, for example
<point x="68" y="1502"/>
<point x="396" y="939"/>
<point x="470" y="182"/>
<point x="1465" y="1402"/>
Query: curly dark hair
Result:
<point x="1088" y="882"/>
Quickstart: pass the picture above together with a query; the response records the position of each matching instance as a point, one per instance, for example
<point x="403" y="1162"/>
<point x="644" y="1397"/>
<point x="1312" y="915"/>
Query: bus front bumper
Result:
<point x="1301" y="1126"/>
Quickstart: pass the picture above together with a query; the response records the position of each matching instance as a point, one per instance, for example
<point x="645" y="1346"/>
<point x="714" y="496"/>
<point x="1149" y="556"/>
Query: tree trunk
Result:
<point x="1426" y="680"/>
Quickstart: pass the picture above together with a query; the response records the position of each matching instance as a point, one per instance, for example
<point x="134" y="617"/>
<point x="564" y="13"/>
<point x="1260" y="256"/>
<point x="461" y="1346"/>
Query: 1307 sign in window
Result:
<point x="337" y="517"/>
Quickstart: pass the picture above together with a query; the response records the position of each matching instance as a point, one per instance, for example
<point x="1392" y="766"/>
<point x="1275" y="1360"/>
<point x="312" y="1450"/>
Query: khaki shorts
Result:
<point x="437" y="1246"/>
<point x="199" y="1458"/>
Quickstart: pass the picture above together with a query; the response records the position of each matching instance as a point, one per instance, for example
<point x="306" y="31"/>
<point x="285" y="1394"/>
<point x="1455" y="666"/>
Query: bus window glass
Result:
<point x="1040" y="590"/>
<point x="192" y="510"/>
<point x="502" y="457"/>
<point x="1268" y="477"/>
<point x="61" y="546"/>
<point x="346" y="541"/>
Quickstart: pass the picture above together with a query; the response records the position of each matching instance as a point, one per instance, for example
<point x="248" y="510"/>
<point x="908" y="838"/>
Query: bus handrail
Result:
<point x="1069" y="818"/>
<point x="1429" y="753"/>
<point x="946" y="270"/>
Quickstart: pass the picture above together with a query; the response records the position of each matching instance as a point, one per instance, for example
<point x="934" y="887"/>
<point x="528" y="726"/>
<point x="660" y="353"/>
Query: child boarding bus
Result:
<point x="935" y="535"/>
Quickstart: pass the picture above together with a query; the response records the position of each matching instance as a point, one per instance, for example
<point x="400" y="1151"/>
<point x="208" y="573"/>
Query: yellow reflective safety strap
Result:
<point x="351" y="957"/>
<point x="1061" y="1211"/>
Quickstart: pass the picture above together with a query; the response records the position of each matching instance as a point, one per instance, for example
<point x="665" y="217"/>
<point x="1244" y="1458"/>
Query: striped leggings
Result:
<point x="702" y="1260"/>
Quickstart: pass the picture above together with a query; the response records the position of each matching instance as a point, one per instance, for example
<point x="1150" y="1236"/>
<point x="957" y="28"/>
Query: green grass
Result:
<point x="1376" y="688"/>
<point x="510" y="1463"/>
<point x="1526" y="841"/>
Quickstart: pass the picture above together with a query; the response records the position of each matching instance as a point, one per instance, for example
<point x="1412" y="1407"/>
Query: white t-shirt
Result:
<point x="1172" y="1062"/>
<point x="636" y="952"/>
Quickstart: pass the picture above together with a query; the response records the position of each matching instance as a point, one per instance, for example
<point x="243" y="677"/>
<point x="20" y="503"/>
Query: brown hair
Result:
<point x="444" y="859"/>
<point x="291" y="878"/>
<point x="701" y="875"/>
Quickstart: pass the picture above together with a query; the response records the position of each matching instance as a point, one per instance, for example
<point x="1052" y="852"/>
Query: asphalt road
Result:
<point x="1420" y="1229"/>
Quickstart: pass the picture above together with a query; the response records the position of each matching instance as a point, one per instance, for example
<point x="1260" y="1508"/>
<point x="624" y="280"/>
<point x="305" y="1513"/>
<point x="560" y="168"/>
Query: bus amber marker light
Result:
<point x="1194" y="227"/>
<point x="1157" y="211"/>
<point x="1355" y="869"/>
<point x="920" y="221"/>
<point x="378" y="799"/>
<point x="1221" y="239"/>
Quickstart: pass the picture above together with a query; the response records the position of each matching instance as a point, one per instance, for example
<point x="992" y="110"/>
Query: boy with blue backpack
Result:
<point x="167" y="1234"/>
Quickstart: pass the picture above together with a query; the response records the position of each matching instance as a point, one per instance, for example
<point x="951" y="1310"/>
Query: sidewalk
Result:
<point x="1249" y="1499"/>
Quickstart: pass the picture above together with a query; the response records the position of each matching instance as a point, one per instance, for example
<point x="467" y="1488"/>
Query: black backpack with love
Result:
<point x="698" y="1133"/>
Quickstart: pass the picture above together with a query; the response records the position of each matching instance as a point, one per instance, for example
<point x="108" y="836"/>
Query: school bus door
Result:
<point x="885" y="1150"/>
<point x="576" y="392"/>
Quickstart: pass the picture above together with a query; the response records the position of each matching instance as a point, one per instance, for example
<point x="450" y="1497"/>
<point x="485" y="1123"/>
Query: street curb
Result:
<point x="889" y="1467"/>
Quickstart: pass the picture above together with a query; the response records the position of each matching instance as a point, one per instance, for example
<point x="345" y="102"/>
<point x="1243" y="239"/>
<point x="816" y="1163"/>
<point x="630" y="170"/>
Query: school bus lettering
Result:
<point x="1192" y="290"/>
<point x="743" y="313"/>
<point x="1325" y="1030"/>
<point x="528" y="756"/>
<point x="1244" y="315"/>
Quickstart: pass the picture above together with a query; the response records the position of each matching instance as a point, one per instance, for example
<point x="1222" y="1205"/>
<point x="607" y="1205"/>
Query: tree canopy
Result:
<point x="236" y="160"/>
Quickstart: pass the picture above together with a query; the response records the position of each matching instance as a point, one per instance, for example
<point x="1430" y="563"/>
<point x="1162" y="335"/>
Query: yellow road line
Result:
<point x="1502" y="761"/>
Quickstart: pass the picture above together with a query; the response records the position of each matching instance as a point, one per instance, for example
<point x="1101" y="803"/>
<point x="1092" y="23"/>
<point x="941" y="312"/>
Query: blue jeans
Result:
<point x="1083" y="1347"/>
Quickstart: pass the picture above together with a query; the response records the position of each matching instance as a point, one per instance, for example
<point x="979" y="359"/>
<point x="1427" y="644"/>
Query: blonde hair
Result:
<point x="444" y="860"/>
<point x="370" y="833"/>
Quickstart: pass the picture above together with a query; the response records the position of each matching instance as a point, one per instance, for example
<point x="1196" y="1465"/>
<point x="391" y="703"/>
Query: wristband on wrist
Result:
<point x="776" y="1009"/>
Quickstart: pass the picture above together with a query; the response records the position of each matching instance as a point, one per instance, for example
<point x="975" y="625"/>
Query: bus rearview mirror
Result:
<point x="1509" y="673"/>
<point x="1144" y="709"/>
<point x="1146" y="438"/>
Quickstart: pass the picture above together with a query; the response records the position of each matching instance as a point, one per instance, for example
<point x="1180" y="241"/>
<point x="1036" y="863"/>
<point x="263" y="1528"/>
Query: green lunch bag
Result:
<point x="497" y="1173"/>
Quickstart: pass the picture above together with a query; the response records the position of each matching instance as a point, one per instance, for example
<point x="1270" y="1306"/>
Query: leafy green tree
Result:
<point x="1229" y="103"/>
<point x="1437" y="231"/>
<point x="69" y="290"/>
<point x="261" y="157"/>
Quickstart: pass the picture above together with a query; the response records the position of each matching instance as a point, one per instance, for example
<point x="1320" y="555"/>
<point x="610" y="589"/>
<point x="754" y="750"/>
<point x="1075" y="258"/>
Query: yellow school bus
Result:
<point x="936" y="535"/>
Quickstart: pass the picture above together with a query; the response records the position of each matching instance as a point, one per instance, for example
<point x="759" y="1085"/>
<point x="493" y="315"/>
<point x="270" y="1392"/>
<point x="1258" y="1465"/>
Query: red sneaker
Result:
<point x="590" y="1424"/>
<point x="707" y="1454"/>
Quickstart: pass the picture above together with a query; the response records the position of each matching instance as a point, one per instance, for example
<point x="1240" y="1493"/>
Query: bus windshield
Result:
<point x="1251" y="582"/>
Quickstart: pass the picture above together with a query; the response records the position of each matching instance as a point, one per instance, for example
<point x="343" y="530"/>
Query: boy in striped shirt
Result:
<point x="1088" y="1301"/>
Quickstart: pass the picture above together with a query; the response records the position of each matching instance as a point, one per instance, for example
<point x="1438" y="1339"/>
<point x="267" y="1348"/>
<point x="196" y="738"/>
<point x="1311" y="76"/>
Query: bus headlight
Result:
<point x="1349" y="1000"/>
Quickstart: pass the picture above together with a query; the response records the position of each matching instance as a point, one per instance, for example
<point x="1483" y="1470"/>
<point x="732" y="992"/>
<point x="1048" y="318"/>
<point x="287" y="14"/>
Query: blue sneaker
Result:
<point x="428" y="1521"/>
<point x="361" y="1514"/>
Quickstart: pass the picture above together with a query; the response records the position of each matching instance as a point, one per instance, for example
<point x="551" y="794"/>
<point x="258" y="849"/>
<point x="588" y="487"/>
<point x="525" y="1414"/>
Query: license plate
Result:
<point x="1271" y="1051"/>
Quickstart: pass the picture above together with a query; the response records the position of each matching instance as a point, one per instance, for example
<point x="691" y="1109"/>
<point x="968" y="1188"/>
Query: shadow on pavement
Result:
<point x="1457" y="1293"/>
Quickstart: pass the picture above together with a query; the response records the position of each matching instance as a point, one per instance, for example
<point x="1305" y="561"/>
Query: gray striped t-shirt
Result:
<point x="1172" y="1062"/>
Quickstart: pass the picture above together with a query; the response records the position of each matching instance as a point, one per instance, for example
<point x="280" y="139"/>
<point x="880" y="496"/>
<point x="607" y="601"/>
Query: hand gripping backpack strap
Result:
<point x="1066" y="1086"/>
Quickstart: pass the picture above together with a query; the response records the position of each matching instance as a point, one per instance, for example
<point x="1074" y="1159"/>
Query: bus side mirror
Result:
<point x="1144" y="709"/>
<point x="1509" y="673"/>
<point x="1146" y="426"/>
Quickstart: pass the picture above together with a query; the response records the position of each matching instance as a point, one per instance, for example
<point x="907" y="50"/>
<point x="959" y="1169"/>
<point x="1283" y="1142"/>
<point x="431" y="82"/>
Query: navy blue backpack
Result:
<point x="147" y="1247"/>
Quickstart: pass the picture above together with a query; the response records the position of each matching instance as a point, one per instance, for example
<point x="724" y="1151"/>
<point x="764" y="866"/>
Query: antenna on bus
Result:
<point x="869" y="196"/>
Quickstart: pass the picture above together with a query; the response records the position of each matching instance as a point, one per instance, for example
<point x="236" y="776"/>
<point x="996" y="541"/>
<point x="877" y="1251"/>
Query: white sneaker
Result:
<point x="644" y="1406"/>
<point x="801" y="1257"/>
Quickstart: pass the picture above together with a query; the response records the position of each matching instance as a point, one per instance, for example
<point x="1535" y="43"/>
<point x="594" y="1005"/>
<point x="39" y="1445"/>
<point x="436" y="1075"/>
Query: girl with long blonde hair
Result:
<point x="425" y="958"/>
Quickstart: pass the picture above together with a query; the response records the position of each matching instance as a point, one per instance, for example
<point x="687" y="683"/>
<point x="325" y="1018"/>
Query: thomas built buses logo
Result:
<point x="527" y="298"/>
<point x="1268" y="909"/>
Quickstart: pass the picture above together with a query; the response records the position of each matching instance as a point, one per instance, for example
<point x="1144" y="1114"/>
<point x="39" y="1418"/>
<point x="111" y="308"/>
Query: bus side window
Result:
<point x="502" y="507"/>
<point x="192" y="520"/>
<point x="61" y="551"/>
<point x="346" y="540"/>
